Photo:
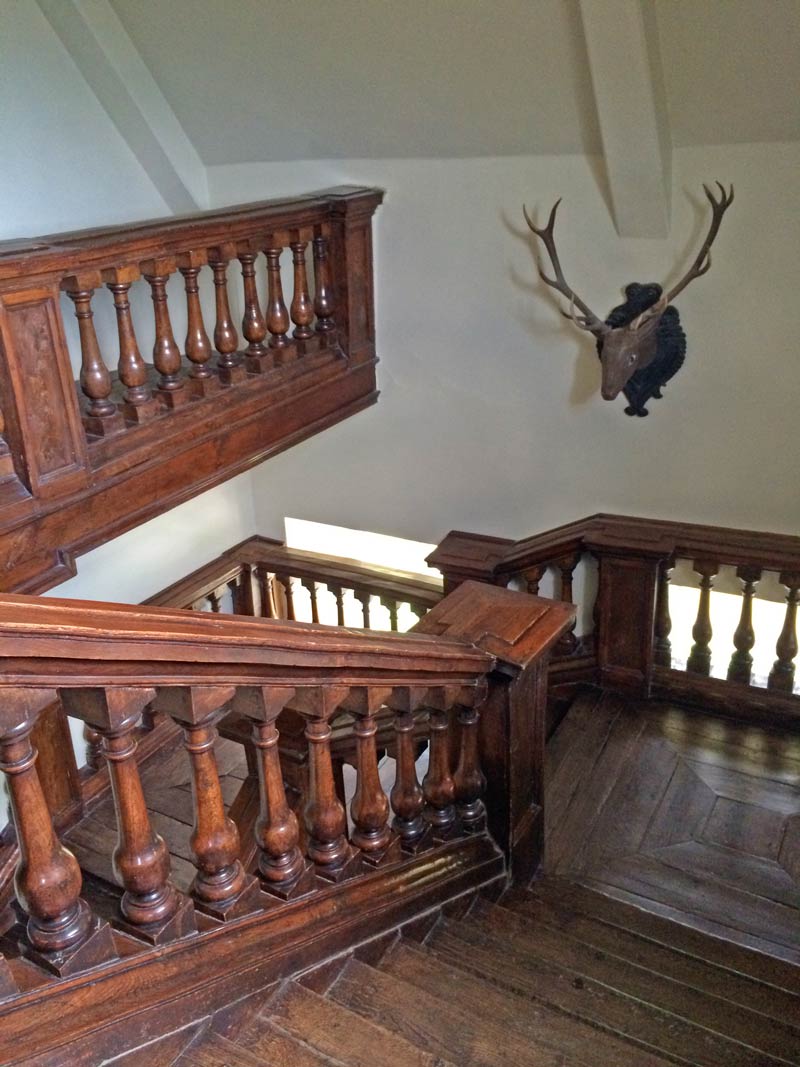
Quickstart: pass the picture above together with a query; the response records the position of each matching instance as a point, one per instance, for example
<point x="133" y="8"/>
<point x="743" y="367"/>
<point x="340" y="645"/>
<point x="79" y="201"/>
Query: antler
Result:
<point x="587" y="320"/>
<point x="703" y="260"/>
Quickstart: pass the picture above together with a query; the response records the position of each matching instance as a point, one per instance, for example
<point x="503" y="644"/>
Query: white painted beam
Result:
<point x="109" y="62"/>
<point x="625" y="65"/>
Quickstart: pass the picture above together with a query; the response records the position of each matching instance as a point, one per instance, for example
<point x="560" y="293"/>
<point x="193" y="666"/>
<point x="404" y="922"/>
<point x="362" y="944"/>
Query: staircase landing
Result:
<point x="689" y="817"/>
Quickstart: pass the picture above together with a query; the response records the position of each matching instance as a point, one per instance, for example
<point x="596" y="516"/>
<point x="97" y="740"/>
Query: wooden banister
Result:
<point x="476" y="657"/>
<point x="145" y="436"/>
<point x="630" y="648"/>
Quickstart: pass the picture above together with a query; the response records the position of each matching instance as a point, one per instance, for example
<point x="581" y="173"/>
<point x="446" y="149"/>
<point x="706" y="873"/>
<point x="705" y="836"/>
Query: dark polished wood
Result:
<point x="102" y="416"/>
<point x="782" y="674"/>
<point x="323" y="294"/>
<point x="699" y="661"/>
<point x="69" y="479"/>
<point x="226" y="339"/>
<point x="166" y="354"/>
<point x="407" y="798"/>
<point x="254" y="326"/>
<point x="222" y="887"/>
<point x="302" y="308"/>
<point x="741" y="664"/>
<point x="62" y="934"/>
<point x="662" y="646"/>
<point x="281" y="863"/>
<point x="150" y="905"/>
<point x="277" y="316"/>
<point x="682" y="815"/>
<point x="370" y="806"/>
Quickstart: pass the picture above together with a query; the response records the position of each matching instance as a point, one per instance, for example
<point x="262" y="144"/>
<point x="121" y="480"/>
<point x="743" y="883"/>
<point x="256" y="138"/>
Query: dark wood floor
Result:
<point x="687" y="816"/>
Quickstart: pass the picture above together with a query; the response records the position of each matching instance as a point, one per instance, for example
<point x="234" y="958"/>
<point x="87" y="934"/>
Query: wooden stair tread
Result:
<point x="332" y="1030"/>
<point x="264" y="1039"/>
<point x="511" y="966"/>
<point x="665" y="931"/>
<point x="435" y="1022"/>
<point x="672" y="962"/>
<point x="508" y="1012"/>
<point x="610" y="968"/>
<point x="215" y="1051"/>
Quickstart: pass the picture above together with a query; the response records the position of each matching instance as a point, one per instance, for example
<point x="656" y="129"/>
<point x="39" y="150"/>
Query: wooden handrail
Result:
<point x="630" y="647"/>
<point x="478" y="656"/>
<point x="238" y="564"/>
<point x="148" y="430"/>
<point x="50" y="642"/>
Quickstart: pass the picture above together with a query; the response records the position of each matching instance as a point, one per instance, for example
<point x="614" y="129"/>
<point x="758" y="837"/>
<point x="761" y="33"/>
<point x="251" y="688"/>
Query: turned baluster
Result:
<point x="102" y="417"/>
<point x="281" y="864"/>
<point x="269" y="609"/>
<point x="568" y="642"/>
<point x="741" y="665"/>
<point x="285" y="582"/>
<point x="323" y="288"/>
<point x="277" y="315"/>
<point x="221" y="887"/>
<point x="94" y="747"/>
<point x="370" y="807"/>
<point x="198" y="346"/>
<point x="532" y="577"/>
<point x="338" y="594"/>
<point x="781" y="677"/>
<point x="469" y="780"/>
<point x="662" y="624"/>
<point x="226" y="339"/>
<point x="391" y="606"/>
<point x="214" y="601"/>
<point x="699" y="661"/>
<point x="254" y="326"/>
<point x="311" y="586"/>
<point x="151" y="906"/>
<point x="63" y="934"/>
<point x="166" y="354"/>
<point x="407" y="799"/>
<point x="138" y="402"/>
<point x="364" y="598"/>
<point x="302" y="308"/>
<point x="438" y="786"/>
<point x="325" y="817"/>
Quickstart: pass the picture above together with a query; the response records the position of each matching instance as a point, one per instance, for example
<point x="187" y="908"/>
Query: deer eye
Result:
<point x="632" y="359"/>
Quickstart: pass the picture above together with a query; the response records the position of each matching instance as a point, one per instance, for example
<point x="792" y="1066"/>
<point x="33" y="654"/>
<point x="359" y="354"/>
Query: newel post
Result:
<point x="350" y="242"/>
<point x="520" y="631"/>
<point x="625" y="616"/>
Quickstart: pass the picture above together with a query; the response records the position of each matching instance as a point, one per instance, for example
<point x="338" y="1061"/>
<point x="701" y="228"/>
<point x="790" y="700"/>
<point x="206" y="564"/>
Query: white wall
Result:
<point x="490" y="418"/>
<point x="65" y="166"/>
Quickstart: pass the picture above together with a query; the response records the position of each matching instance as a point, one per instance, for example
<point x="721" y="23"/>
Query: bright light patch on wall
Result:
<point x="381" y="549"/>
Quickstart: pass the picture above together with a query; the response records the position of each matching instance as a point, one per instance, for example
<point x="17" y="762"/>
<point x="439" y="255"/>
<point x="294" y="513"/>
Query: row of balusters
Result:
<point x="277" y="598"/>
<point x="268" y="339"/>
<point x="62" y="932"/>
<point x="740" y="667"/>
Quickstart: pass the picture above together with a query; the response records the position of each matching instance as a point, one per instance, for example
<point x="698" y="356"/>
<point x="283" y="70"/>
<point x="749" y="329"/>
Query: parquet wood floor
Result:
<point x="684" y="815"/>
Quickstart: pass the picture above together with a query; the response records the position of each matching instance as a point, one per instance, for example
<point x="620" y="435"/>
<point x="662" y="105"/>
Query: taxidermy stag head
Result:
<point x="641" y="344"/>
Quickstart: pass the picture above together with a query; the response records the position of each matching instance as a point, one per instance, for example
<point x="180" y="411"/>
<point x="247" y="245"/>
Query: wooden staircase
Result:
<point x="551" y="976"/>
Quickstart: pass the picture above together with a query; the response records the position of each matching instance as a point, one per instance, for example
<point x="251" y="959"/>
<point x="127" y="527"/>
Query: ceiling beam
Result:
<point x="118" y="76"/>
<point x="625" y="66"/>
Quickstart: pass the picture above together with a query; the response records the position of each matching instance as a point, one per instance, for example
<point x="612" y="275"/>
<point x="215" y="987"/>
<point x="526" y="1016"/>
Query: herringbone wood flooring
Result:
<point x="685" y="815"/>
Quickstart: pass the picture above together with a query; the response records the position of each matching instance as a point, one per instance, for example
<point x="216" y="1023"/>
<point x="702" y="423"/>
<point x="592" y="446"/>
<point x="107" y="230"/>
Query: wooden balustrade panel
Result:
<point x="136" y="444"/>
<point x="438" y="785"/>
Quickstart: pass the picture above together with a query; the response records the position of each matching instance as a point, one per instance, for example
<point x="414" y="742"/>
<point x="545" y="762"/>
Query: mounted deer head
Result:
<point x="627" y="349"/>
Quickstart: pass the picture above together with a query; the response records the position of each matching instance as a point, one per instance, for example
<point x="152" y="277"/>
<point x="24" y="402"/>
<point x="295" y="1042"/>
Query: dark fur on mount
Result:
<point x="647" y="382"/>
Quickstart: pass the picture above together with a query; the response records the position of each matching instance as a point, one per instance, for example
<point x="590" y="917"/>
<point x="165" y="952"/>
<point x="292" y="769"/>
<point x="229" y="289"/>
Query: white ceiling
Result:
<point x="267" y="80"/>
